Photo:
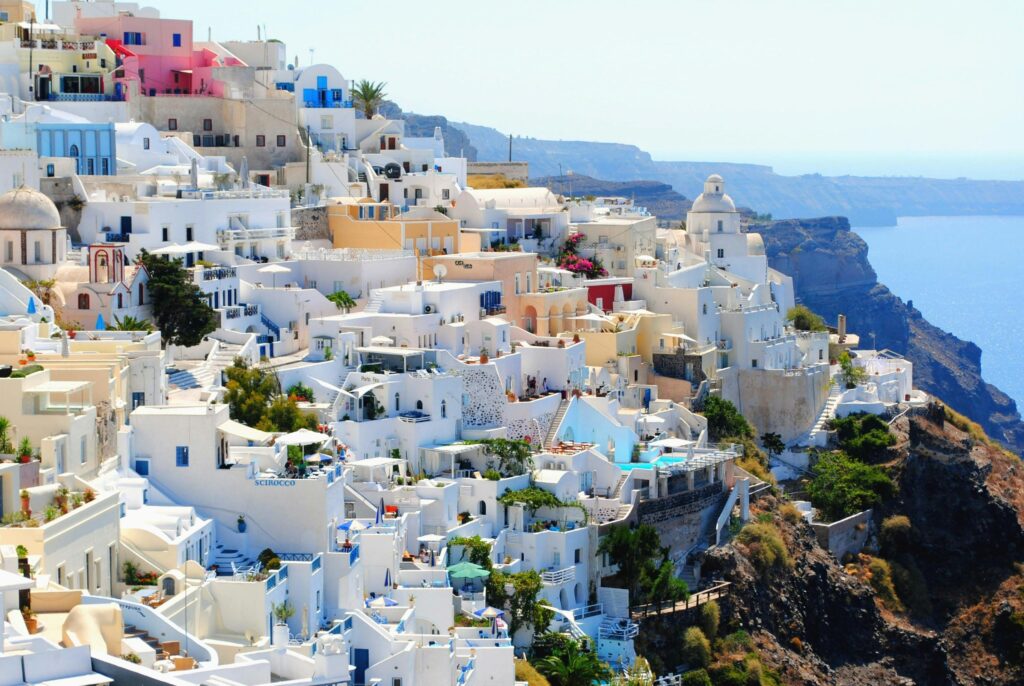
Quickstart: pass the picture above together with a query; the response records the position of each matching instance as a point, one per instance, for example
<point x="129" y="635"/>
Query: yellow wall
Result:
<point x="348" y="231"/>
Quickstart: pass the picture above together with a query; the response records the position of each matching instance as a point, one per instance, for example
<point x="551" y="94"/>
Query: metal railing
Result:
<point x="559" y="576"/>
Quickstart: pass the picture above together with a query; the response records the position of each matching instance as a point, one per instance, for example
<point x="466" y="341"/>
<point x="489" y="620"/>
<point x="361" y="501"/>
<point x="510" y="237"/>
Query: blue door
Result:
<point x="360" y="660"/>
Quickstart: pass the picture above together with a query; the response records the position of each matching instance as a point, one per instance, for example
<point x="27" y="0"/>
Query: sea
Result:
<point x="963" y="274"/>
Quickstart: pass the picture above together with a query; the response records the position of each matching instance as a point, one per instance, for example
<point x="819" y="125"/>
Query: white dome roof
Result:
<point x="28" y="209"/>
<point x="714" y="197"/>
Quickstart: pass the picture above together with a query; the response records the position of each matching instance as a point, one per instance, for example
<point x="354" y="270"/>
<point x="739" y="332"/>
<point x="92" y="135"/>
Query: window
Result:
<point x="396" y="681"/>
<point x="821" y="355"/>
<point x="120" y="301"/>
<point x="50" y="171"/>
<point x="83" y="301"/>
<point x="261" y="141"/>
<point x="578" y="555"/>
<point x="105" y="166"/>
<point x="446" y="194"/>
<point x="397" y="402"/>
<point x="326" y="122"/>
<point x="9" y="250"/>
<point x="721" y="253"/>
<point x="720" y="226"/>
<point x="37" y="252"/>
<point x="753" y="363"/>
<point x="705" y="308"/>
<point x="172" y="124"/>
<point x="517" y="284"/>
<point x="145" y="144"/>
<point x="181" y="456"/>
<point x="83" y="453"/>
<point x="282" y="141"/>
<point x="176" y="40"/>
<point x="444" y="409"/>
<point x="164" y="234"/>
<point x="207" y="125"/>
<point x="188" y="234"/>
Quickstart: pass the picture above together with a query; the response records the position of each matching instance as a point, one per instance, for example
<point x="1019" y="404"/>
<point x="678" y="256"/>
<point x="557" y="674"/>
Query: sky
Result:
<point x="860" y="86"/>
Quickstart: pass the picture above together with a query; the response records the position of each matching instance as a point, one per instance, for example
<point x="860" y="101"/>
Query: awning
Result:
<point x="246" y="433"/>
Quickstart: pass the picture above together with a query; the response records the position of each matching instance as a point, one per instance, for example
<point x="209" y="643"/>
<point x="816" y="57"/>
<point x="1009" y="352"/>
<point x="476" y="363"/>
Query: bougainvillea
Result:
<point x="568" y="259"/>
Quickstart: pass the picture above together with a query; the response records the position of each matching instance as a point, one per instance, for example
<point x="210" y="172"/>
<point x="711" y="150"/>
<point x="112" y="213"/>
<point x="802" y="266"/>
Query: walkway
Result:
<point x="697" y="599"/>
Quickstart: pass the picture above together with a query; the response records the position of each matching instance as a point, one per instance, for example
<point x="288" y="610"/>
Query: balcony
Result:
<point x="558" y="576"/>
<point x="414" y="417"/>
<point x="214" y="274"/>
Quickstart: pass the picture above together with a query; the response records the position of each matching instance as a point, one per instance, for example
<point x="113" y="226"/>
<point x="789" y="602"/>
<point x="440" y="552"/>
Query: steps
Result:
<point x="818" y="435"/>
<point x="209" y="372"/>
<point x="618" y="487"/>
<point x="552" y="435"/>
<point x="229" y="559"/>
<point x="374" y="304"/>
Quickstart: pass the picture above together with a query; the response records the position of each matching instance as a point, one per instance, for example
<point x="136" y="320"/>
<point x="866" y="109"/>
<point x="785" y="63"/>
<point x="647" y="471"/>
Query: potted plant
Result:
<point x="575" y="338"/>
<point x="51" y="513"/>
<point x="31" y="623"/>
<point x="89" y="495"/>
<point x="484" y="355"/>
<point x="241" y="524"/>
<point x="282" y="611"/>
<point x="22" y="552"/>
<point x="25" y="499"/>
<point x="31" y="355"/>
<point x="561" y="342"/>
<point x="25" y="451"/>
<point x="61" y="498"/>
<point x="76" y="500"/>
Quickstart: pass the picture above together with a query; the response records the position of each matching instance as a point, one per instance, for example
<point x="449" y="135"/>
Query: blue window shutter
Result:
<point x="309" y="97"/>
<point x="321" y="83"/>
<point x="177" y="40"/>
<point x="181" y="456"/>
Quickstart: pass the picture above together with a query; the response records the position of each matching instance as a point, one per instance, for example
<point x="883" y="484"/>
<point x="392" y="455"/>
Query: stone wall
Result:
<point x="847" y="536"/>
<point x="776" y="400"/>
<point x="62" y="193"/>
<point x="483" y="397"/>
<point x="670" y="507"/>
<point x="310" y="223"/>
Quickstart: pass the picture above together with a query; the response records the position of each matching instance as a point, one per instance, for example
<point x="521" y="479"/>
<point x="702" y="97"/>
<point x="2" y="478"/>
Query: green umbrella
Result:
<point x="468" y="570"/>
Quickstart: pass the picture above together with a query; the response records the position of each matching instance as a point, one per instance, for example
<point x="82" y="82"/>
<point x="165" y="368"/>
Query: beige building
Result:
<point x="378" y="226"/>
<point x="33" y="244"/>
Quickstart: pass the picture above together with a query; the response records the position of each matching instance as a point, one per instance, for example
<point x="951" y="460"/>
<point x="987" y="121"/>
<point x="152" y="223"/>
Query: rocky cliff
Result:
<point x="830" y="267"/>
<point x="817" y="623"/>
<point x="867" y="200"/>
<point x="659" y="198"/>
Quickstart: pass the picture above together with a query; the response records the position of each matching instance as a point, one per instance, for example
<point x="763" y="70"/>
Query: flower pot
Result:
<point x="484" y="359"/>
<point x="32" y="624"/>
<point x="72" y="333"/>
<point x="242" y="526"/>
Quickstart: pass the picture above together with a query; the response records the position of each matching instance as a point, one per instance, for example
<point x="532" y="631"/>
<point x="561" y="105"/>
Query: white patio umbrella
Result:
<point x="649" y="419"/>
<point x="274" y="269"/>
<point x="302" y="437"/>
<point x="671" y="443"/>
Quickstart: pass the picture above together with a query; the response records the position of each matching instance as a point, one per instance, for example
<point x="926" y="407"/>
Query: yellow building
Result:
<point x="375" y="225"/>
<point x="15" y="11"/>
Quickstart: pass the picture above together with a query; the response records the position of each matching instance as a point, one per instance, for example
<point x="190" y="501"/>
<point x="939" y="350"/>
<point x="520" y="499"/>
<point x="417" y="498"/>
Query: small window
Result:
<point x="207" y="125"/>
<point x="261" y="141"/>
<point x="446" y="194"/>
<point x="188" y="234"/>
<point x="282" y="141"/>
<point x="120" y="301"/>
<point x="721" y="253"/>
<point x="172" y="124"/>
<point x="83" y="301"/>
<point x="753" y="363"/>
<point x="578" y="555"/>
<point x="181" y="456"/>
<point x="176" y="40"/>
<point x="720" y="226"/>
<point x="164" y="234"/>
<point x="145" y="144"/>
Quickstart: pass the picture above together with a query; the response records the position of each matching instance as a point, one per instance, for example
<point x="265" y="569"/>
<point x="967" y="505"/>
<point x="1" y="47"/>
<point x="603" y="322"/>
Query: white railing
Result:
<point x="559" y="576"/>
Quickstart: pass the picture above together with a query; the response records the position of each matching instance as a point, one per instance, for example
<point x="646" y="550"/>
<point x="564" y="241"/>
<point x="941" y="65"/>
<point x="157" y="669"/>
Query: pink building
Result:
<point x="157" y="54"/>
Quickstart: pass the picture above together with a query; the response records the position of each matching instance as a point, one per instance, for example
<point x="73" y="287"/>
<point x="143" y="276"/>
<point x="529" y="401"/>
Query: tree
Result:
<point x="696" y="677"/>
<point x="864" y="437"/>
<point x="725" y="420"/>
<point x="773" y="444"/>
<point x="514" y="456"/>
<point x="368" y="96"/>
<point x="283" y="414"/>
<point x="573" y="666"/>
<point x="6" y="447"/>
<point x="843" y="486"/>
<point x="179" y="308"/>
<point x="130" y="323"/>
<point x="696" y="648"/>
<point x="342" y="300"/>
<point x="522" y="605"/>
<point x="249" y="391"/>
<point x="851" y="374"/>
<point x="643" y="563"/>
<point x="805" y="320"/>
<point x="710" y="616"/>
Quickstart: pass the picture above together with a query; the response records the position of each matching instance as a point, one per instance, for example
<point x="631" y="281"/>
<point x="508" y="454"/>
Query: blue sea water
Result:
<point x="964" y="275"/>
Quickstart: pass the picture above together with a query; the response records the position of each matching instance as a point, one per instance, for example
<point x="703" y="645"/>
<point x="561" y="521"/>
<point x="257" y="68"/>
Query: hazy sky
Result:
<point x="757" y="80"/>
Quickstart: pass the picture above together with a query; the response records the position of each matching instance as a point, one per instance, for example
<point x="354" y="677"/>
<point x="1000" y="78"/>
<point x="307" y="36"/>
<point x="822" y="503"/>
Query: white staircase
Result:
<point x="208" y="373"/>
<point x="818" y="435"/>
<point x="552" y="434"/>
<point x="374" y="304"/>
<point x="228" y="560"/>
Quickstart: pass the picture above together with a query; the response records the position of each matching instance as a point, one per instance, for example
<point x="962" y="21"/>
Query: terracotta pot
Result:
<point x="32" y="624"/>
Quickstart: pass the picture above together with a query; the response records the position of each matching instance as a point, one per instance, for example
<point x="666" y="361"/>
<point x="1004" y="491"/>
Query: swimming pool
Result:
<point x="663" y="461"/>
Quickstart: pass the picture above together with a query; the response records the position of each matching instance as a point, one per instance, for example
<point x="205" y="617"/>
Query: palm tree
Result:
<point x="368" y="96"/>
<point x="571" y="666"/>
<point x="130" y="323"/>
<point x="342" y="300"/>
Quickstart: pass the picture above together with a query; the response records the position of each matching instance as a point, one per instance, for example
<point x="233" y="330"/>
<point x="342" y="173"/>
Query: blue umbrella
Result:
<point x="380" y="512"/>
<point x="31" y="305"/>
<point x="100" y="324"/>
<point x="387" y="578"/>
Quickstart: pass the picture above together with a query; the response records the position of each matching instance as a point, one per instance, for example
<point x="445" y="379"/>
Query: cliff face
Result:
<point x="829" y="265"/>
<point x="814" y="623"/>
<point x="658" y="198"/>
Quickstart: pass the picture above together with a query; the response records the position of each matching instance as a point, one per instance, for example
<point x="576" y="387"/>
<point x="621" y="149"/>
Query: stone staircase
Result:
<point x="552" y="435"/>
<point x="617" y="492"/>
<point x="209" y="372"/>
<point x="229" y="559"/>
<point x="163" y="651"/>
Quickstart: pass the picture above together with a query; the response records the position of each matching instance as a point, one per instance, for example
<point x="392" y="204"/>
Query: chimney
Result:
<point x="842" y="328"/>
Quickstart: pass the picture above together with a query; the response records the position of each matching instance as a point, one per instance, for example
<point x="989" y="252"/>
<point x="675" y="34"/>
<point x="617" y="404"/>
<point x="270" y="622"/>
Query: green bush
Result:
<point x="843" y="486"/>
<point x="696" y="648"/>
<point x="764" y="547"/>
<point x="805" y="320"/>
<point x="696" y="677"/>
<point x="864" y="437"/>
<point x="911" y="587"/>
<point x="725" y="420"/>
<point x="710" y="616"/>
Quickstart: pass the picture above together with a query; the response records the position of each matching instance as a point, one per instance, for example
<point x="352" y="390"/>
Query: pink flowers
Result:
<point x="581" y="265"/>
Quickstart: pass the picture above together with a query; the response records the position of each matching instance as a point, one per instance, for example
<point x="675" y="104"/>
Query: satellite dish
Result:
<point x="440" y="271"/>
